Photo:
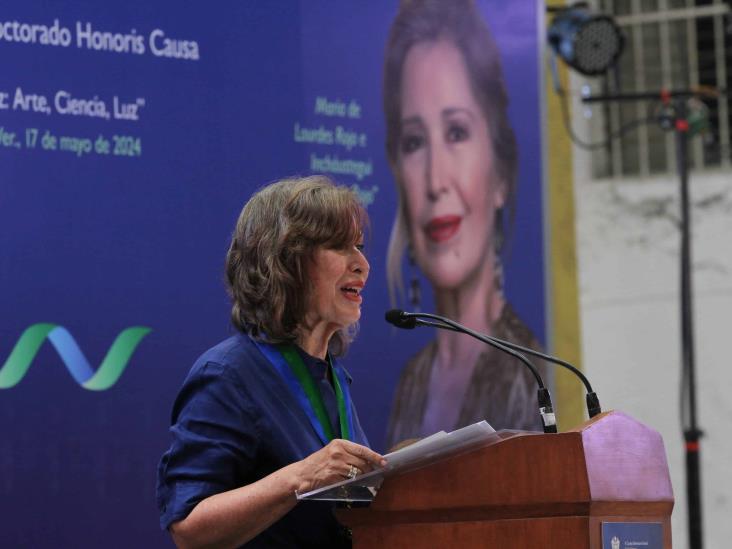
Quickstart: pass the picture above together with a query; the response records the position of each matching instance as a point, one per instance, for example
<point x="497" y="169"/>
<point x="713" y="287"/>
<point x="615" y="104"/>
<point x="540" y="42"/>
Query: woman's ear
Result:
<point x="500" y="193"/>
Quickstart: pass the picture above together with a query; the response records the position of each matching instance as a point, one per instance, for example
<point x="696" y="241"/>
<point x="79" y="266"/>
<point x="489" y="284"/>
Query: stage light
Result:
<point x="589" y="43"/>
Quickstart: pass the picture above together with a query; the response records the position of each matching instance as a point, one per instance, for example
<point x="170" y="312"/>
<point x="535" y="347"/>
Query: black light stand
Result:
<point x="676" y="119"/>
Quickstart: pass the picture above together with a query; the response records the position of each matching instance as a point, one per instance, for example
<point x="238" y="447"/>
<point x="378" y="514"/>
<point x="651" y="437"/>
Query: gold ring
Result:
<point x="352" y="472"/>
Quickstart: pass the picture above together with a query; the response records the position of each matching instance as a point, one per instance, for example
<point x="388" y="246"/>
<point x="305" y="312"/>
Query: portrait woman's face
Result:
<point x="447" y="167"/>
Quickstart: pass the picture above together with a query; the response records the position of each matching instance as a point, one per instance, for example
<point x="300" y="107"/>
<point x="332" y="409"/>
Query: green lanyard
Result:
<point x="298" y="368"/>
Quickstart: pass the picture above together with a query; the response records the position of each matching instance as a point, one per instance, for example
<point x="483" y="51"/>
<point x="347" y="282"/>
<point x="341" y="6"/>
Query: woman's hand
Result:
<point x="333" y="464"/>
<point x="234" y="517"/>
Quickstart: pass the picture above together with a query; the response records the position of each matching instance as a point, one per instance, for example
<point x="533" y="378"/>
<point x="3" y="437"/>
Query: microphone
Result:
<point x="591" y="399"/>
<point x="402" y="319"/>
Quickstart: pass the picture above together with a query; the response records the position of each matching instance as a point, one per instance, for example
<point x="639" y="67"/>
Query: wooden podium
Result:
<point x="526" y="491"/>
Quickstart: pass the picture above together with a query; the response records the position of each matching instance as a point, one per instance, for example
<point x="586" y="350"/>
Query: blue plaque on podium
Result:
<point x="632" y="535"/>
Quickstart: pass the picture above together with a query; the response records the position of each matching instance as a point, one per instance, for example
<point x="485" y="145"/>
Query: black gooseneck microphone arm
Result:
<point x="400" y="319"/>
<point x="591" y="399"/>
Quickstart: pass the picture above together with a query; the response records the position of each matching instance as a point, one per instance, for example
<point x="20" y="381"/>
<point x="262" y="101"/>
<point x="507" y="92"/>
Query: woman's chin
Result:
<point x="349" y="318"/>
<point x="446" y="279"/>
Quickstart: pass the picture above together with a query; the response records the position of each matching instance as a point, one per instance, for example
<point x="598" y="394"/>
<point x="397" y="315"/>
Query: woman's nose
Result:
<point x="436" y="173"/>
<point x="361" y="264"/>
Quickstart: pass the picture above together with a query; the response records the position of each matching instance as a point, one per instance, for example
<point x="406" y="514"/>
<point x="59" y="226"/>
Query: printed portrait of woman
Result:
<point x="454" y="158"/>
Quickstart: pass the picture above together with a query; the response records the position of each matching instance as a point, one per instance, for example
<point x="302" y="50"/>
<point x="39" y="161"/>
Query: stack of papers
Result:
<point x="427" y="450"/>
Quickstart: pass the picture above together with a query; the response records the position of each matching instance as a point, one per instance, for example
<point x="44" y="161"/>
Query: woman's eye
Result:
<point x="411" y="143"/>
<point x="457" y="133"/>
<point x="360" y="247"/>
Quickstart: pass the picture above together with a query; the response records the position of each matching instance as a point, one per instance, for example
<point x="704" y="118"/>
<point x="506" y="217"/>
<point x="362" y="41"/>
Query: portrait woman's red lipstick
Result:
<point x="440" y="229"/>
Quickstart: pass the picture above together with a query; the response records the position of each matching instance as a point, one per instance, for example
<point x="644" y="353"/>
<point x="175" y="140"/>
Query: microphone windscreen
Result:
<point x="400" y="319"/>
<point x="394" y="316"/>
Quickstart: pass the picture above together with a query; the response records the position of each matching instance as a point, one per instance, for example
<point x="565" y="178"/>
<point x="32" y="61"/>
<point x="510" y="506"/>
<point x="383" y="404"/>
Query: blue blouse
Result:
<point x="236" y="421"/>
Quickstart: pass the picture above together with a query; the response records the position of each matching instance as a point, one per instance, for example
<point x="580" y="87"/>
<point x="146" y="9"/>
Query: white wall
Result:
<point x="628" y="263"/>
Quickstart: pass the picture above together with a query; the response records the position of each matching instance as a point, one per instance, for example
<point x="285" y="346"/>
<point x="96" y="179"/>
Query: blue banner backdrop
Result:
<point x="131" y="134"/>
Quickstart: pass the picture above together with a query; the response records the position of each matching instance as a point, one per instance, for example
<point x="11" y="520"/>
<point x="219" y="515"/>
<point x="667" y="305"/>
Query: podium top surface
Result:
<point x="611" y="458"/>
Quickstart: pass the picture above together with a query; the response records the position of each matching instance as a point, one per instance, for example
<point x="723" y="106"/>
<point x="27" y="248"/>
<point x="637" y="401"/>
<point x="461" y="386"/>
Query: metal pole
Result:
<point x="679" y="123"/>
<point x="691" y="431"/>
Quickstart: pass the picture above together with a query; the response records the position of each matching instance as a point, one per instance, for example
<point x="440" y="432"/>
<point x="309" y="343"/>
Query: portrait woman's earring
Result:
<point x="498" y="270"/>
<point x="414" y="292"/>
<point x="497" y="250"/>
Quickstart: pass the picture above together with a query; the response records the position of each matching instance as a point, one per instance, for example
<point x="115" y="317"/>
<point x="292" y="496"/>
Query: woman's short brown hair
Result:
<point x="278" y="230"/>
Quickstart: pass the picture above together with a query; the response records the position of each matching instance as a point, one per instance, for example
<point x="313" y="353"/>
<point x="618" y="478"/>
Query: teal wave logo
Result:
<point x="103" y="378"/>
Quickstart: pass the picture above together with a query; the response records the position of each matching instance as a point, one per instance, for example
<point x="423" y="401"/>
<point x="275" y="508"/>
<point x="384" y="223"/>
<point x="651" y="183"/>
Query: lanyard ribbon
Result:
<point x="291" y="368"/>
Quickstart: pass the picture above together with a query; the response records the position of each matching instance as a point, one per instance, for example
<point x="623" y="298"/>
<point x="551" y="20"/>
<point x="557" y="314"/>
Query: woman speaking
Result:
<point x="268" y="413"/>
